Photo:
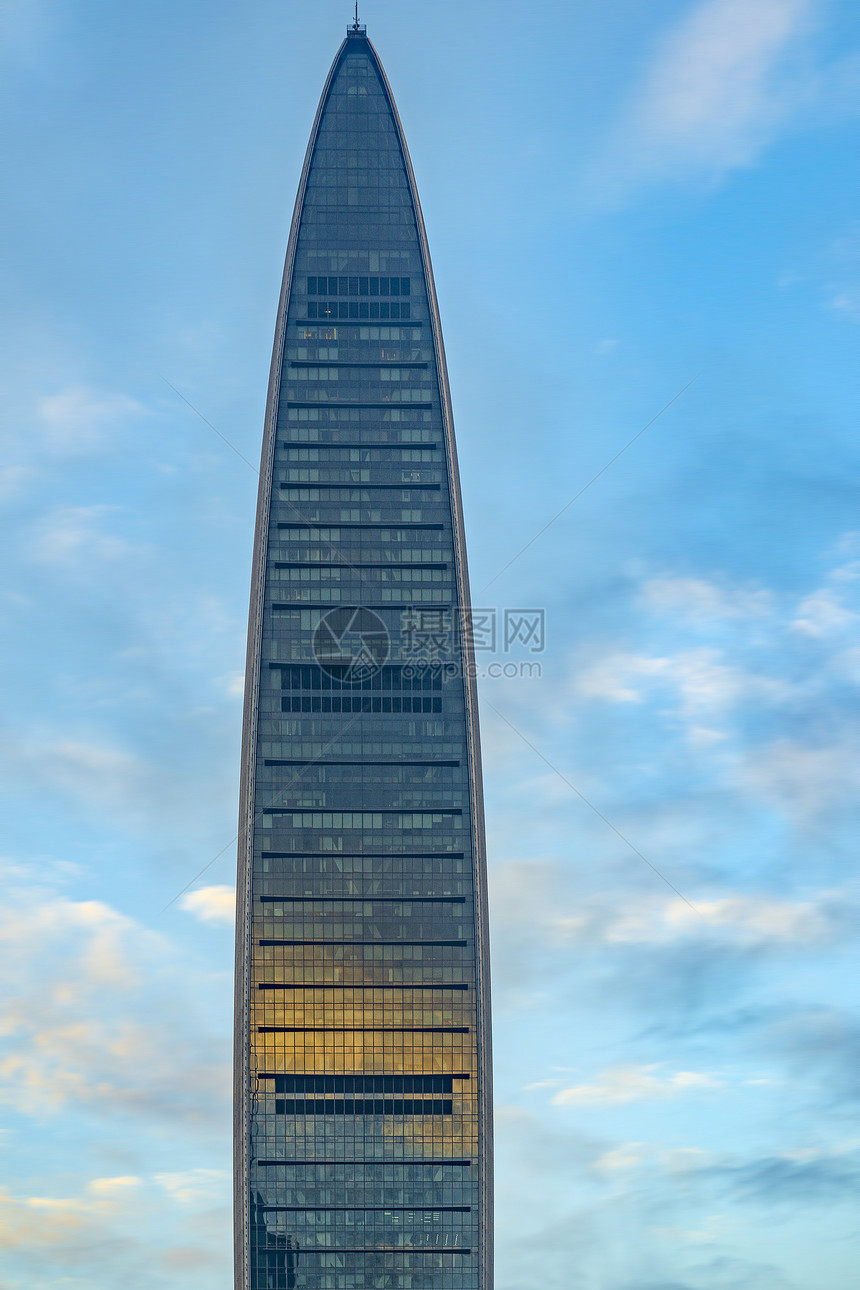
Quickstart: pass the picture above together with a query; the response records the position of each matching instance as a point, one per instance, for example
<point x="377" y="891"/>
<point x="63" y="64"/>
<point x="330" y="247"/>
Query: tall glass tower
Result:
<point x="363" y="1092"/>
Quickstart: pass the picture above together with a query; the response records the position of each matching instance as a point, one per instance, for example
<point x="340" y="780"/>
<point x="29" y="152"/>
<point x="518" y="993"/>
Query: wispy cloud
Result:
<point x="77" y="420"/>
<point x="719" y="87"/>
<point x="635" y="1084"/>
<point x="541" y="901"/>
<point x="211" y="904"/>
<point x="76" y="536"/>
<point x="197" y="1186"/>
<point x="124" y="1229"/>
<point x="98" y="1015"/>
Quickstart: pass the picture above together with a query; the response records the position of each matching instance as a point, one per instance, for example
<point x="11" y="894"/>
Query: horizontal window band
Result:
<point x="362" y="855"/>
<point x="299" y="985"/>
<point x="341" y="604"/>
<point x="406" y="484"/>
<point x="437" y="944"/>
<point x="390" y="676"/>
<point x="447" y="811"/>
<point x="364" y="1106"/>
<point x="341" y="446"/>
<point x="368" y="311"/>
<point x="367" y="1209"/>
<point x="390" y="564"/>
<point x="306" y="1251"/>
<point x="360" y="1083"/>
<point x="389" y="1160"/>
<point x="357" y="284"/>
<point x="363" y="1030"/>
<point x="381" y="311"/>
<point x="295" y="761"/>
<point x="343" y="403"/>
<point x="365" y="855"/>
<point x="291" y="1083"/>
<point x="345" y="362"/>
<point x="387" y="705"/>
<point x="381" y="900"/>
<point x="352" y="322"/>
<point x="371" y="528"/>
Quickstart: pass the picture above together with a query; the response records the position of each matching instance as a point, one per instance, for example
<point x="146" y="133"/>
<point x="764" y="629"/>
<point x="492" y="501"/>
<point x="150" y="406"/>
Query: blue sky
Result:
<point x="619" y="199"/>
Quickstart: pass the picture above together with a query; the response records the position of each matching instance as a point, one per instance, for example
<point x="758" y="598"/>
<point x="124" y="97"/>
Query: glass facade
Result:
<point x="363" y="1096"/>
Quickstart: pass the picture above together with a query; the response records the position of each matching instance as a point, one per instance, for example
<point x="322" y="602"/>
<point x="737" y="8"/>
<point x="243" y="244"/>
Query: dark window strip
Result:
<point x="450" y="944"/>
<point x="369" y="1209"/>
<point x="341" y="446"/>
<point x="412" y="900"/>
<point x="330" y="1085"/>
<point x="385" y="810"/>
<point x="328" y="704"/>
<point x="298" y="985"/>
<point x="407" y="485"/>
<point x="389" y="1160"/>
<point x="384" y="364"/>
<point x="362" y="1030"/>
<point x="289" y="761"/>
<point x="306" y="1251"/>
<point x="364" y="1106"/>
<point x="390" y="564"/>
<point x="333" y="311"/>
<point x="358" y="284"/>
<point x="350" y="524"/>
<point x="351" y="322"/>
<point x="391" y="676"/>
<point x="283" y="1088"/>
<point x="343" y="403"/>
<point x="339" y="604"/>
<point x="366" y="855"/>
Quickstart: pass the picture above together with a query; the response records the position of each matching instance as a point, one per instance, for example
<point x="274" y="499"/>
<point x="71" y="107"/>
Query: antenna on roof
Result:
<point x="355" y="24"/>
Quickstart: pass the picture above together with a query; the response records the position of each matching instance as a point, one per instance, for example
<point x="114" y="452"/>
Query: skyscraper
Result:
<point x="363" y="1091"/>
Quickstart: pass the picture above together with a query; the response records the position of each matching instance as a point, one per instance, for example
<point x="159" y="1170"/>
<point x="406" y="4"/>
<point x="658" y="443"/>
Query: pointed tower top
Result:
<point x="355" y="30"/>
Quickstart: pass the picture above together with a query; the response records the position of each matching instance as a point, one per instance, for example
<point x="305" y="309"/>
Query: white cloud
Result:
<point x="535" y="903"/>
<point x="118" y="1231"/>
<point x="703" y="682"/>
<point x="719" y="87"/>
<point x="635" y="1084"/>
<point x="743" y="919"/>
<point x="704" y="601"/>
<point x="99" y="776"/>
<point x="98" y="1014"/>
<point x="630" y="1155"/>
<point x="804" y="782"/>
<point x="13" y="478"/>
<point x="824" y="614"/>
<point x="77" y="420"/>
<point x="197" y="1186"/>
<point x="635" y="1155"/>
<point x="75" y="536"/>
<point x="211" y="904"/>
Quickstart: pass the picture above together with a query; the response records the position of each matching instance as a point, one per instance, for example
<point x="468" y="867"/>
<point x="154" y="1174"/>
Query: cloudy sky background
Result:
<point x="620" y="198"/>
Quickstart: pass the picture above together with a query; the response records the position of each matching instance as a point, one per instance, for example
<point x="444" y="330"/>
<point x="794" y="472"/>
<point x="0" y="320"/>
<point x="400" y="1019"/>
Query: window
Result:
<point x="346" y="285"/>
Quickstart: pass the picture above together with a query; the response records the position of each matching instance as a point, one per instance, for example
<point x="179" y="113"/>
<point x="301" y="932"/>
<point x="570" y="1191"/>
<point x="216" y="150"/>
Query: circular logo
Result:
<point x="351" y="644"/>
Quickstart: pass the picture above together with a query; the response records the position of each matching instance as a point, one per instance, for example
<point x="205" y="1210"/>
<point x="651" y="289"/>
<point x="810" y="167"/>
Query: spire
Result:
<point x="355" y="29"/>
